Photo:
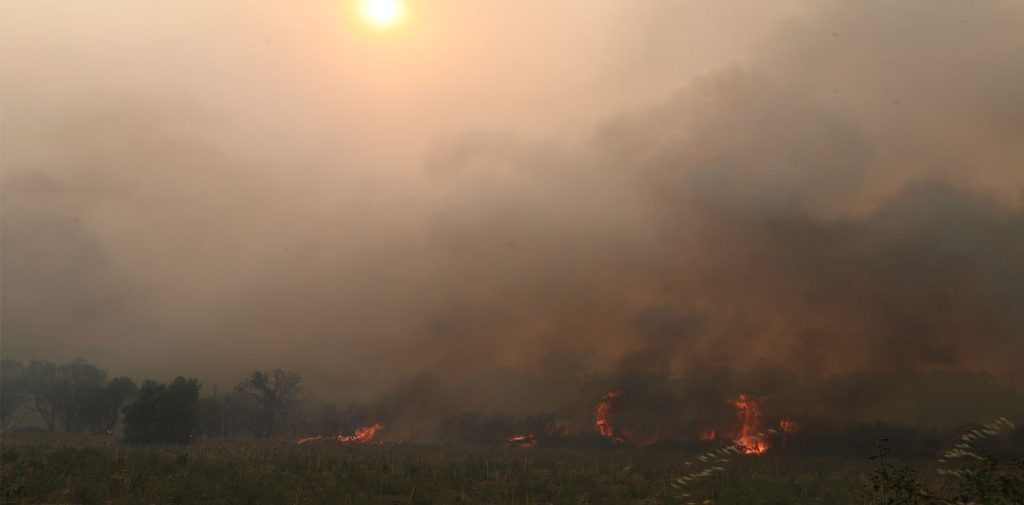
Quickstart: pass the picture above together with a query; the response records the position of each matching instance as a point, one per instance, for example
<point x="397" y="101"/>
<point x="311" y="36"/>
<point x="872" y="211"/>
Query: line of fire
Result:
<point x="749" y="432"/>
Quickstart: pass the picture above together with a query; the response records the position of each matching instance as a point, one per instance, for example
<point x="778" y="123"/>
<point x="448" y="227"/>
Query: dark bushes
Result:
<point x="163" y="413"/>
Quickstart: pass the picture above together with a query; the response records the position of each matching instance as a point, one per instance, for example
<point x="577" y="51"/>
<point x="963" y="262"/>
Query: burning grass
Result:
<point x="602" y="411"/>
<point x="363" y="435"/>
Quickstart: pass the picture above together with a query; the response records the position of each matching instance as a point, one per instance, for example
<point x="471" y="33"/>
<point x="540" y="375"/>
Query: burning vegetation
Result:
<point x="523" y="441"/>
<point x="601" y="412"/>
<point x="634" y="423"/>
<point x="544" y="430"/>
<point x="749" y="436"/>
<point x="363" y="435"/>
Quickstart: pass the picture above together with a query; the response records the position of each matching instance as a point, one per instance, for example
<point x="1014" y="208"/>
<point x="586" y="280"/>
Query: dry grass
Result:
<point x="91" y="470"/>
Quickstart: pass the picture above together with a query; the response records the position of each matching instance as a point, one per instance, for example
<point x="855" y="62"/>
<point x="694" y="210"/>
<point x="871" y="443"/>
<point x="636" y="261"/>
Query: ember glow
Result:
<point x="789" y="426"/>
<point x="363" y="435"/>
<point x="749" y="436"/>
<point x="707" y="434"/>
<point x="601" y="412"/>
<point x="524" y="441"/>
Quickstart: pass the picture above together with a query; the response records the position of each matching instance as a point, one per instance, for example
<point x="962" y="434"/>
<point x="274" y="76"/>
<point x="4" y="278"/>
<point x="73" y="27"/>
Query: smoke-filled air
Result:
<point x="629" y="223"/>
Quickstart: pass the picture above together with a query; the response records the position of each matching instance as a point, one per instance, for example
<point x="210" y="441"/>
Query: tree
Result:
<point x="211" y="416"/>
<point x="81" y="387"/>
<point x="117" y="392"/>
<point x="71" y="394"/>
<point x="75" y="395"/>
<point x="163" y="413"/>
<point x="272" y="397"/>
<point x="12" y="390"/>
<point x="42" y="385"/>
<point x="237" y="413"/>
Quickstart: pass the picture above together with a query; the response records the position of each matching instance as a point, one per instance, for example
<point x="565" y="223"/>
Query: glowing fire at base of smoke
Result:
<point x="754" y="444"/>
<point x="601" y="423"/>
<point x="707" y="434"/>
<point x="749" y="437"/>
<point x="363" y="435"/>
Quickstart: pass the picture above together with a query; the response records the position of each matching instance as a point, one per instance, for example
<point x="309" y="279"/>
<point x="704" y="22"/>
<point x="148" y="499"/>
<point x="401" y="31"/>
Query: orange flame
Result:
<point x="749" y="437"/>
<point x="524" y="441"/>
<point x="707" y="434"/>
<point x="361" y="436"/>
<point x="601" y="412"/>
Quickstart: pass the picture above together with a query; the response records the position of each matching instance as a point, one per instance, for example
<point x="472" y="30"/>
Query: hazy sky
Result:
<point x="205" y="188"/>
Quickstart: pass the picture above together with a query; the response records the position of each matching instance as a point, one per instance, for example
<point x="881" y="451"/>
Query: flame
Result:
<point x="524" y="441"/>
<point x="749" y="437"/>
<point x="789" y="426"/>
<point x="707" y="434"/>
<point x="361" y="436"/>
<point x="601" y="412"/>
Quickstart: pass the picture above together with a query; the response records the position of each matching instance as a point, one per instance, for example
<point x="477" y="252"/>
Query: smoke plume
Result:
<point x="845" y="199"/>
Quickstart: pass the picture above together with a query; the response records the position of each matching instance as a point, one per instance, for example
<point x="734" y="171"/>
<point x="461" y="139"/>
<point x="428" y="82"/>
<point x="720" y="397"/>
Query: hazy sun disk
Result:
<point x="383" y="13"/>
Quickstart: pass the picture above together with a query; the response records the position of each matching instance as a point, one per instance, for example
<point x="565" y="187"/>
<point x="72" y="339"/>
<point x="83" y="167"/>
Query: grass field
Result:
<point x="67" y="469"/>
<point x="100" y="470"/>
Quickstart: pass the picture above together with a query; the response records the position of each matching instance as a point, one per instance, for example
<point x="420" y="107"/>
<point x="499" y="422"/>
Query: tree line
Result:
<point x="78" y="397"/>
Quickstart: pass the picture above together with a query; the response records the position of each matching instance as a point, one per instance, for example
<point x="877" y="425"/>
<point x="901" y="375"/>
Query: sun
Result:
<point x="382" y="13"/>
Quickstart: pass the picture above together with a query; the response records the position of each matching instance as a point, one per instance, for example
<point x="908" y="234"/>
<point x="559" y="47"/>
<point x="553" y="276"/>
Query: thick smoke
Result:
<point x="848" y="200"/>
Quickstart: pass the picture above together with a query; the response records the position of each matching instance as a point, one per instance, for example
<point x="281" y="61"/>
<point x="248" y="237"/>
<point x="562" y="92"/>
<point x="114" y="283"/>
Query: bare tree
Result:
<point x="76" y="395"/>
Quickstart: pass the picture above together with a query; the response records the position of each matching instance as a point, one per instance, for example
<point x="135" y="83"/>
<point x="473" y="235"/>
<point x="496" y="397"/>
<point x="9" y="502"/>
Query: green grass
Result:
<point x="100" y="470"/>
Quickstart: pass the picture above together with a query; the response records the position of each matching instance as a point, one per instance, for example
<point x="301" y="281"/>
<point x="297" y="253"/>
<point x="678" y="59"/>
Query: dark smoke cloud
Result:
<point x="847" y="200"/>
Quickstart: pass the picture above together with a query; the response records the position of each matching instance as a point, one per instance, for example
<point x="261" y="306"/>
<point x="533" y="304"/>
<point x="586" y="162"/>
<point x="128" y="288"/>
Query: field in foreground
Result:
<point x="78" y="470"/>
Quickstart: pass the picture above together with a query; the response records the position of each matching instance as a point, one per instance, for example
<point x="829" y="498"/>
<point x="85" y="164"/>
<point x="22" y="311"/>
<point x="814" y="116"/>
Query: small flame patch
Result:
<point x="524" y="441"/>
<point x="363" y="435"/>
